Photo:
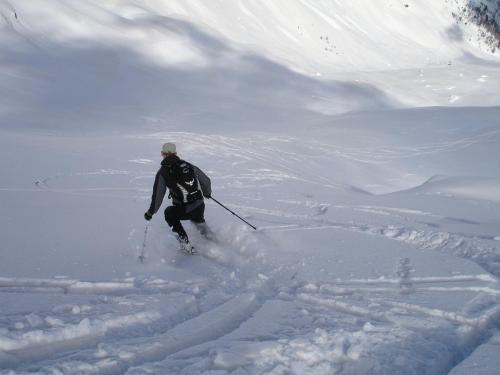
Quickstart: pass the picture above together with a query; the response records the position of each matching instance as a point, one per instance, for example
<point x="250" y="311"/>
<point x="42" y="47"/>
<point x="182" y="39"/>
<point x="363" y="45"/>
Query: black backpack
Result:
<point x="188" y="188"/>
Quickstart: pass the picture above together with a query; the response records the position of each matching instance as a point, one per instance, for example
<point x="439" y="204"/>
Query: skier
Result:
<point x="187" y="186"/>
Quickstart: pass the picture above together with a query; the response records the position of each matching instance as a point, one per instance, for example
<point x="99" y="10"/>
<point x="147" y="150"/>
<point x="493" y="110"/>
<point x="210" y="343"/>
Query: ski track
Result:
<point x="229" y="315"/>
<point x="461" y="245"/>
<point x="117" y="341"/>
<point x="52" y="333"/>
<point x="69" y="286"/>
<point x="204" y="327"/>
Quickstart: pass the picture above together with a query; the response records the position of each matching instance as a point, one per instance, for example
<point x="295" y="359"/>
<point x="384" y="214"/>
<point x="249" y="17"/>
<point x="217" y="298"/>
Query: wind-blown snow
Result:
<point x="362" y="140"/>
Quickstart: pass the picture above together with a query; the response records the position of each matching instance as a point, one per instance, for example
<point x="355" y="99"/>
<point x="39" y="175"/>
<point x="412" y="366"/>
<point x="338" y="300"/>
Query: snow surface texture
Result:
<point x="362" y="139"/>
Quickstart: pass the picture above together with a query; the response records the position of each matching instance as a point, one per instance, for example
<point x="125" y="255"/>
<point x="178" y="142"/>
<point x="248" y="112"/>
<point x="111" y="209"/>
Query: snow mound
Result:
<point x="465" y="187"/>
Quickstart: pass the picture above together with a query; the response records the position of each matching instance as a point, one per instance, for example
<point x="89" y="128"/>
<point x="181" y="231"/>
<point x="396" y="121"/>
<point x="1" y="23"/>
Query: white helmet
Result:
<point x="168" y="148"/>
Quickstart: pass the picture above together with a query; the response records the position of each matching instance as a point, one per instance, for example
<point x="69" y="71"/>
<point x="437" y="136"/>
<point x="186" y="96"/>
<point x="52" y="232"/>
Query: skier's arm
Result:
<point x="159" y="190"/>
<point x="206" y="185"/>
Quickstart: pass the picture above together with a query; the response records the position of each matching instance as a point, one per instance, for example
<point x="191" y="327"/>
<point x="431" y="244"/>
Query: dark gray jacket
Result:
<point x="164" y="180"/>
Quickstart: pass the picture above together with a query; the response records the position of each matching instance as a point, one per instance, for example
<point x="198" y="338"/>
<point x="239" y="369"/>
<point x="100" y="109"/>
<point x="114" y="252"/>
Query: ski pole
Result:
<point x="143" y="249"/>
<point x="239" y="217"/>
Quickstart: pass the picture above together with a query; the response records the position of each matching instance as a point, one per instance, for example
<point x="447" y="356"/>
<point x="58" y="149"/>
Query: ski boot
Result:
<point x="185" y="246"/>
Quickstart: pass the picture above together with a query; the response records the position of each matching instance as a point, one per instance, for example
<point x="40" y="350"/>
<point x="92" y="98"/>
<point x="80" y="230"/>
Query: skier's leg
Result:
<point x="173" y="216"/>
<point x="205" y="231"/>
<point x="198" y="219"/>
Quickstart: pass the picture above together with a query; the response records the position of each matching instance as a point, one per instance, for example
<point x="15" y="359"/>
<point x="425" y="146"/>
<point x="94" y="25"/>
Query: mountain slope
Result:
<point x="361" y="138"/>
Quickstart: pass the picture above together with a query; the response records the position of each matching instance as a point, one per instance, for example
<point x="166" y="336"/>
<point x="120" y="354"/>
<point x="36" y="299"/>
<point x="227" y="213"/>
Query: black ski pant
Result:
<point x="174" y="215"/>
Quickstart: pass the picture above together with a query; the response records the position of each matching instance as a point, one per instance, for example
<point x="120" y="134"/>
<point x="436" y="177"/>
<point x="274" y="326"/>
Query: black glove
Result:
<point x="148" y="216"/>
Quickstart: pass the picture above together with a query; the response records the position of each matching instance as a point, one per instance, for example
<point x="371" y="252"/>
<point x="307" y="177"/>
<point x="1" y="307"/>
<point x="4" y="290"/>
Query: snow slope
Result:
<point x="361" y="139"/>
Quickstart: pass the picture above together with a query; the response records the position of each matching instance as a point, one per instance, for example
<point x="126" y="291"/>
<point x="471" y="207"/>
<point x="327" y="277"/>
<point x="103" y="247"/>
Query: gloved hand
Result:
<point x="148" y="216"/>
